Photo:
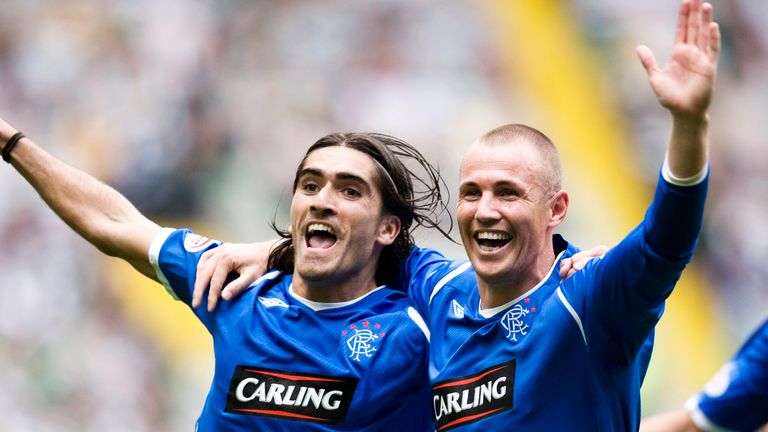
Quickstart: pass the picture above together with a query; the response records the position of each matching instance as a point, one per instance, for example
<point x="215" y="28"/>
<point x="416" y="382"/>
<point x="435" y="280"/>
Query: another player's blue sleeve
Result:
<point x="736" y="398"/>
<point x="421" y="272"/>
<point x="174" y="254"/>
<point x="619" y="298"/>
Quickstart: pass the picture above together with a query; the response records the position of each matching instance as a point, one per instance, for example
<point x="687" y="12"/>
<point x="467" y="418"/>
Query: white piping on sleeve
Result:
<point x="154" y="258"/>
<point x="416" y="318"/>
<point x="447" y="278"/>
<point x="573" y="313"/>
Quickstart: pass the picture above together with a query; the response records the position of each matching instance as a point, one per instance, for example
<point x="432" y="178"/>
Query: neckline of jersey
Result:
<point x="490" y="313"/>
<point x="320" y="306"/>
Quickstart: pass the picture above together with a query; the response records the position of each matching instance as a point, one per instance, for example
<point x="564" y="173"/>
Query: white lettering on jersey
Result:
<point x="470" y="398"/>
<point x="467" y="399"/>
<point x="273" y="393"/>
<point x="280" y="395"/>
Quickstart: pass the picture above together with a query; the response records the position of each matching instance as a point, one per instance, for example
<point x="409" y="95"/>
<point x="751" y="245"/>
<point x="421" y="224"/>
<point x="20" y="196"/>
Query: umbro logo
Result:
<point x="458" y="310"/>
<point x="272" y="302"/>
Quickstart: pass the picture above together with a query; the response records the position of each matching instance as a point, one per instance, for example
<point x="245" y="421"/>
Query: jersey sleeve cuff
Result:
<point x="680" y="181"/>
<point x="700" y="419"/>
<point x="154" y="258"/>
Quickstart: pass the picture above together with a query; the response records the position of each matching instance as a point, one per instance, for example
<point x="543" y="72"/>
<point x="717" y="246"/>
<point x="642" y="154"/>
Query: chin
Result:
<point x="489" y="271"/>
<point x="312" y="272"/>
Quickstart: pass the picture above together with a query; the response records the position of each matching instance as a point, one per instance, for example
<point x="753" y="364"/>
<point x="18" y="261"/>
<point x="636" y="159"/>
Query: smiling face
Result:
<point x="338" y="224"/>
<point x="506" y="214"/>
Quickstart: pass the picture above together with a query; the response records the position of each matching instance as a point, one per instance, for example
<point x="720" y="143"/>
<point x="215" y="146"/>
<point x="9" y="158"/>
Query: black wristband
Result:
<point x="10" y="145"/>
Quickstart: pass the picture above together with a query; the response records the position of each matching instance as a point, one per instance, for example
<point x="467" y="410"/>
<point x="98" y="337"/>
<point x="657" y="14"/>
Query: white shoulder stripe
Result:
<point x="447" y="278"/>
<point x="416" y="318"/>
<point x="154" y="258"/>
<point x="266" y="276"/>
<point x="573" y="313"/>
<point x="700" y="419"/>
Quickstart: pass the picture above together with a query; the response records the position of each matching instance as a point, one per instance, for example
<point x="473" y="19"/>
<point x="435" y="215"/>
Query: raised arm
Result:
<point x="684" y="86"/>
<point x="94" y="210"/>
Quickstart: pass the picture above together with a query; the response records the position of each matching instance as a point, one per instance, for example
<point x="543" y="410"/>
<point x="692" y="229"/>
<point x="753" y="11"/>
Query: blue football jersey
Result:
<point x="284" y="363"/>
<point x="736" y="398"/>
<point x="567" y="354"/>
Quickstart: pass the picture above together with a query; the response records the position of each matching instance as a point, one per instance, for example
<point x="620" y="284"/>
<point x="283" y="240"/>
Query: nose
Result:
<point x="324" y="202"/>
<point x="487" y="210"/>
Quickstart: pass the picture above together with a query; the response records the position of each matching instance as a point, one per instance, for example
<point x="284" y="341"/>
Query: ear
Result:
<point x="389" y="229"/>
<point x="558" y="208"/>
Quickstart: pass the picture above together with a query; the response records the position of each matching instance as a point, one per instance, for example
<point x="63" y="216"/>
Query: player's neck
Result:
<point x="334" y="290"/>
<point x="503" y="288"/>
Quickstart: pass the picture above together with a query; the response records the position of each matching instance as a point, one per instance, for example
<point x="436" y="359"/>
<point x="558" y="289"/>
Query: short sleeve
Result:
<point x="736" y="398"/>
<point x="174" y="254"/>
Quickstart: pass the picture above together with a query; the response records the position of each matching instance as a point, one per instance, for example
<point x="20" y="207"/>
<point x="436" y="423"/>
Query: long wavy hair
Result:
<point x="414" y="198"/>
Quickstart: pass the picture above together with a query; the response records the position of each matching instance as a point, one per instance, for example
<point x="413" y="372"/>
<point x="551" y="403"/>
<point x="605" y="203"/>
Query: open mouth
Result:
<point x="320" y="236"/>
<point x="491" y="241"/>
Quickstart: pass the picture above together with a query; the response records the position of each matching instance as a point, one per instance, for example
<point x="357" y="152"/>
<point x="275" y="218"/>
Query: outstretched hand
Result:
<point x="249" y="261"/>
<point x="684" y="85"/>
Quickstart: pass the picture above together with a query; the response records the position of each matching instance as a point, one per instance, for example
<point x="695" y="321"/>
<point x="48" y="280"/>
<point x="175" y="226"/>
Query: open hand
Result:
<point x="249" y="261"/>
<point x="684" y="86"/>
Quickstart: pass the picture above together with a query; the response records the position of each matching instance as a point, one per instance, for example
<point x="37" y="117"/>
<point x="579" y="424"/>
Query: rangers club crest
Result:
<point x="514" y="322"/>
<point x="361" y="339"/>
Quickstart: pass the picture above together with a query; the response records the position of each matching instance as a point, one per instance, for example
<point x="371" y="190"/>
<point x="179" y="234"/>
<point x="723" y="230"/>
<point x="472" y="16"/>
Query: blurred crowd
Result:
<point x="198" y="112"/>
<point x="735" y="236"/>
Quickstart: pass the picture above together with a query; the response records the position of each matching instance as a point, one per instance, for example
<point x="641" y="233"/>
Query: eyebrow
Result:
<point x="502" y="183"/>
<point x="344" y="176"/>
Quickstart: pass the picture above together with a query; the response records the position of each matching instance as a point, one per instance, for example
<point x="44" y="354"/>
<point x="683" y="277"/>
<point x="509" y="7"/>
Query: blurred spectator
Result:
<point x="197" y="110"/>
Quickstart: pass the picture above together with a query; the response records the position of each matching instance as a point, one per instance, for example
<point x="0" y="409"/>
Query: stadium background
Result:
<point x="198" y="111"/>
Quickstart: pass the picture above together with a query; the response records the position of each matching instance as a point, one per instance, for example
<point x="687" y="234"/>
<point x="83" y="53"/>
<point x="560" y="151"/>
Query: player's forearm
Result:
<point x="688" y="149"/>
<point x="94" y="210"/>
<point x="677" y="421"/>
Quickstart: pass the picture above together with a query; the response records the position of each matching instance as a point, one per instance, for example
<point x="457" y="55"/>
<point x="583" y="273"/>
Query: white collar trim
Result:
<point x="318" y="306"/>
<point x="488" y="313"/>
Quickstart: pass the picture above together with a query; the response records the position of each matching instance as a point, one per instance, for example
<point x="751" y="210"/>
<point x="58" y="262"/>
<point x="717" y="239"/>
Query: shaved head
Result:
<point x="550" y="170"/>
